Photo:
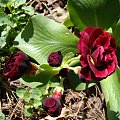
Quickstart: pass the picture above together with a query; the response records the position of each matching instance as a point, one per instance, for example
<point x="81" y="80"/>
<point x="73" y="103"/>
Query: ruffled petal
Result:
<point x="86" y="73"/>
<point x="94" y="35"/>
<point x="98" y="73"/>
<point x="97" y="55"/>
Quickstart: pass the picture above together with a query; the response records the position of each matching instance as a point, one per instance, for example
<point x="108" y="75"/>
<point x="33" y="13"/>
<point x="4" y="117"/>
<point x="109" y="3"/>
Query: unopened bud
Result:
<point x="55" y="59"/>
<point x="58" y="92"/>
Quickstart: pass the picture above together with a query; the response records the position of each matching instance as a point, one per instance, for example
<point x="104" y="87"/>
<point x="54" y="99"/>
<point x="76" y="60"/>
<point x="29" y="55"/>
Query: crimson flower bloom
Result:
<point x="16" y="65"/>
<point x="98" y="54"/>
<point x="55" y="59"/>
<point x="52" y="105"/>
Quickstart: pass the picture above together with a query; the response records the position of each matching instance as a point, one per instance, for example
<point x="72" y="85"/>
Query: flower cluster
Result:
<point x="98" y="54"/>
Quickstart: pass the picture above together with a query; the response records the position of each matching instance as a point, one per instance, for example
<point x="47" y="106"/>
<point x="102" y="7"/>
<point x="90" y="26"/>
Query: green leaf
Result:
<point x="111" y="89"/>
<point x="43" y="89"/>
<point x="116" y="32"/>
<point x="98" y="13"/>
<point x="28" y="111"/>
<point x="41" y="78"/>
<point x="76" y="82"/>
<point x="20" y="92"/>
<point x="54" y="81"/>
<point x="68" y="56"/>
<point x="2" y="116"/>
<point x="37" y="103"/>
<point x="4" y="2"/>
<point x="30" y="83"/>
<point x="68" y="22"/>
<point x="36" y="93"/>
<point x="4" y="19"/>
<point x="2" y="42"/>
<point x="28" y="10"/>
<point x="42" y="36"/>
<point x="118" y="55"/>
<point x="17" y="3"/>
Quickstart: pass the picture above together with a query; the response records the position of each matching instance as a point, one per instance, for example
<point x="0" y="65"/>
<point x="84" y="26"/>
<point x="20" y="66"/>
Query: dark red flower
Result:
<point x="98" y="54"/>
<point x="16" y="65"/>
<point x="52" y="106"/>
<point x="55" y="59"/>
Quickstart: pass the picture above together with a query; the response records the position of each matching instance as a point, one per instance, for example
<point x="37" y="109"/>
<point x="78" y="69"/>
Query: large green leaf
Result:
<point x="45" y="73"/>
<point x="100" y="13"/>
<point x="116" y="32"/>
<point x="111" y="89"/>
<point x="42" y="35"/>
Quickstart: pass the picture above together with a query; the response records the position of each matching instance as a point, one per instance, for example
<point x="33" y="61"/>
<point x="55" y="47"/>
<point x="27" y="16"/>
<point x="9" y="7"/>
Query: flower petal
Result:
<point x="98" y="73"/>
<point x="86" y="73"/>
<point x="97" y="55"/>
<point x="83" y="43"/>
<point x="89" y="29"/>
<point x="49" y="102"/>
<point x="94" y="35"/>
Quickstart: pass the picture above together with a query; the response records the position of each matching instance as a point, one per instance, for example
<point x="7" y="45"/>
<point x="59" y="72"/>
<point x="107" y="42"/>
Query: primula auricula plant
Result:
<point x="54" y="49"/>
<point x="98" y="60"/>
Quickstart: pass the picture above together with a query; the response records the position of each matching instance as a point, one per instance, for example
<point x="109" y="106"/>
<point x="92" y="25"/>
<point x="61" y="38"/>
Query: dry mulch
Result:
<point x="77" y="105"/>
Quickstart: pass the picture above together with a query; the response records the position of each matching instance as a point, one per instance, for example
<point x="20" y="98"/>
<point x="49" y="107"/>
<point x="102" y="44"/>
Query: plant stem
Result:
<point x="73" y="59"/>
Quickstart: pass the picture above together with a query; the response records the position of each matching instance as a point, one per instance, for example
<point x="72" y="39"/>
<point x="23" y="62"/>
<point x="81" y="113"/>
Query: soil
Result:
<point x="77" y="105"/>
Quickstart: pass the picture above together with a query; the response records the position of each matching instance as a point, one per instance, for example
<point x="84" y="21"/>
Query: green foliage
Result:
<point x="116" y="31"/>
<point x="67" y="57"/>
<point x="2" y="116"/>
<point x="17" y="3"/>
<point x="42" y="36"/>
<point x="76" y="82"/>
<point x="98" y="13"/>
<point x="4" y="18"/>
<point x="68" y="22"/>
<point x="45" y="73"/>
<point x="4" y="2"/>
<point x="111" y="89"/>
<point x="20" y="92"/>
<point x="39" y="85"/>
<point x="14" y="15"/>
<point x="32" y="98"/>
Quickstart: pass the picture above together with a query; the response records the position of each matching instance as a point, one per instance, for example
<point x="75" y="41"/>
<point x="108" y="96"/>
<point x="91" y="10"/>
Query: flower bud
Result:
<point x="52" y="104"/>
<point x="55" y="59"/>
<point x="58" y="92"/>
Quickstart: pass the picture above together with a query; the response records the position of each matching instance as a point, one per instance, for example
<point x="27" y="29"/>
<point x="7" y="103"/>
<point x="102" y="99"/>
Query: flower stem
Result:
<point x="73" y="59"/>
